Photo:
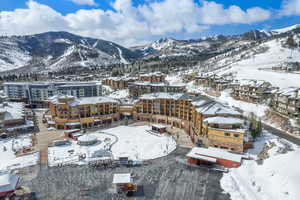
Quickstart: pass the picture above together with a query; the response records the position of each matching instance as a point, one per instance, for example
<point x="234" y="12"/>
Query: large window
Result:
<point x="227" y="134"/>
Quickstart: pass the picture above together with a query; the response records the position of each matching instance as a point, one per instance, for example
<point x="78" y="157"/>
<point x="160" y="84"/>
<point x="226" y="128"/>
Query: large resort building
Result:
<point x="68" y="112"/>
<point x="37" y="93"/>
<point x="194" y="114"/>
<point x="206" y="121"/>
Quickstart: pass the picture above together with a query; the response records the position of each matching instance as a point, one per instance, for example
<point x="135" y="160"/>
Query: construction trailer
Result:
<point x="123" y="183"/>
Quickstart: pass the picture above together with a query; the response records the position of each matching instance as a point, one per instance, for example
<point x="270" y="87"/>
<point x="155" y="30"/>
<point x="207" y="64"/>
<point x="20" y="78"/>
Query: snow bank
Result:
<point x="7" y="151"/>
<point x="278" y="178"/>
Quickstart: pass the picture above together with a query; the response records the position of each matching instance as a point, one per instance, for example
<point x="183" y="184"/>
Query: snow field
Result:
<point x="7" y="154"/>
<point x="134" y="142"/>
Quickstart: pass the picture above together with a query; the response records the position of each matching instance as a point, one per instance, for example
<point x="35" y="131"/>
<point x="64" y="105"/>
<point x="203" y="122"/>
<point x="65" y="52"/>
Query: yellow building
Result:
<point x="225" y="132"/>
<point x="69" y="112"/>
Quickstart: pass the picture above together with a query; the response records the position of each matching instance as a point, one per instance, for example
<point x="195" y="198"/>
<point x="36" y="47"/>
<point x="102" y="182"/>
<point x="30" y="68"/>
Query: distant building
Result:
<point x="255" y="91"/>
<point x="137" y="89"/>
<point x="12" y="118"/>
<point x="37" y="93"/>
<point x="213" y="81"/>
<point x="152" y="77"/>
<point x="118" y="83"/>
<point x="287" y="102"/>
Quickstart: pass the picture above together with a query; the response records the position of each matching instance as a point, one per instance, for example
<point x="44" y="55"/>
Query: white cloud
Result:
<point x="290" y="7"/>
<point x="127" y="24"/>
<point x="85" y="2"/>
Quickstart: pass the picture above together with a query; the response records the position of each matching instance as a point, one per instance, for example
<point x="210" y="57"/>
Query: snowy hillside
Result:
<point x="56" y="50"/>
<point x="11" y="56"/>
<point x="257" y="62"/>
<point x="274" y="178"/>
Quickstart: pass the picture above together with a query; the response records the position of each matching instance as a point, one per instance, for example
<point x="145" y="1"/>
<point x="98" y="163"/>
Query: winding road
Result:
<point x="282" y="134"/>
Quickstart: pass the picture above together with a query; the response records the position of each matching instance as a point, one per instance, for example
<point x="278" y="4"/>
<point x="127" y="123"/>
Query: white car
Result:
<point x="51" y="129"/>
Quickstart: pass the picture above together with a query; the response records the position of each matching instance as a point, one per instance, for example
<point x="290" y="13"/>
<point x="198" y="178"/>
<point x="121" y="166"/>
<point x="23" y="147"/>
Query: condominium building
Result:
<point x="37" y="93"/>
<point x="68" y="112"/>
<point x="152" y="77"/>
<point x="137" y="89"/>
<point x="287" y="102"/>
<point x="194" y="115"/>
<point x="118" y="83"/>
<point x="256" y="91"/>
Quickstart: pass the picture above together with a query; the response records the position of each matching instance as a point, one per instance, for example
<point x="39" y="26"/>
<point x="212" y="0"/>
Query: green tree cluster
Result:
<point x="255" y="126"/>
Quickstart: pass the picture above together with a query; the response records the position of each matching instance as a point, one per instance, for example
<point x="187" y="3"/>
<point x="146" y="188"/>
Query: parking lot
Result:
<point x="163" y="178"/>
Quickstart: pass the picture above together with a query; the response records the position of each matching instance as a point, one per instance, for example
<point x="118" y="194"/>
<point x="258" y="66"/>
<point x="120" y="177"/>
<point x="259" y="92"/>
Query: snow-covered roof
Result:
<point x="162" y="95"/>
<point x="223" y="120"/>
<point x="83" y="100"/>
<point x="121" y="78"/>
<point x="122" y="178"/>
<point x="159" y="126"/>
<point x="215" y="153"/>
<point x="290" y="92"/>
<point x="152" y="74"/>
<point x="213" y="108"/>
<point x="12" y="110"/>
<point x="197" y="156"/>
<point x="8" y="181"/>
<point x="72" y="123"/>
<point x="157" y="84"/>
<point x="87" y="138"/>
<point x="253" y="83"/>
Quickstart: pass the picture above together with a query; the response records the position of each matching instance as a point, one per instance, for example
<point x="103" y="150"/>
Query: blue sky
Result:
<point x="131" y="22"/>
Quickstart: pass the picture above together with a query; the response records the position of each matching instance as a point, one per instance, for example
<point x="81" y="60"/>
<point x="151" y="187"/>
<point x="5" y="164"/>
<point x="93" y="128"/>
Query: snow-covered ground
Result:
<point x="132" y="141"/>
<point x="257" y="109"/>
<point x="274" y="56"/>
<point x="7" y="153"/>
<point x="120" y="94"/>
<point x="277" y="178"/>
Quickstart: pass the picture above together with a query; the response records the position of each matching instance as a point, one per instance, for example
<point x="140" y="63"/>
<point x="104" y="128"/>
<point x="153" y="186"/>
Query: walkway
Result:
<point x="45" y="138"/>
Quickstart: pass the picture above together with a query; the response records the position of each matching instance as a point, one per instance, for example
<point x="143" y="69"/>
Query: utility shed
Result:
<point x="8" y="183"/>
<point x="217" y="156"/>
<point x="123" y="183"/>
<point x="159" y="128"/>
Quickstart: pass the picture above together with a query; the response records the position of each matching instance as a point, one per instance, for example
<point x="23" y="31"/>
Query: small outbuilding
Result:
<point x="8" y="183"/>
<point x="211" y="156"/>
<point x="159" y="128"/>
<point x="123" y="183"/>
<point x="87" y="140"/>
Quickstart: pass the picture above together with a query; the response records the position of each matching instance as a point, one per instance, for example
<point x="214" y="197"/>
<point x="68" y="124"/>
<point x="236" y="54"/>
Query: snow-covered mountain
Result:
<point x="169" y="47"/>
<point x="54" y="50"/>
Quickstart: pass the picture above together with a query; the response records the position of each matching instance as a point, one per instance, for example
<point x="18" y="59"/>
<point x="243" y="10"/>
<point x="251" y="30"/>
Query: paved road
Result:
<point x="282" y="134"/>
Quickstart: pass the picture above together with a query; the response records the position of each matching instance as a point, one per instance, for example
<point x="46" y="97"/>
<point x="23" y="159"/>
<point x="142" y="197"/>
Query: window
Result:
<point x="227" y="134"/>
<point x="236" y="135"/>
